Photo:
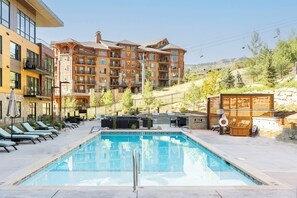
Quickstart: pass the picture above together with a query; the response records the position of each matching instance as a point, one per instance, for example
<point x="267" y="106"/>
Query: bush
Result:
<point x="133" y="126"/>
<point x="114" y="122"/>
<point x="183" y="110"/>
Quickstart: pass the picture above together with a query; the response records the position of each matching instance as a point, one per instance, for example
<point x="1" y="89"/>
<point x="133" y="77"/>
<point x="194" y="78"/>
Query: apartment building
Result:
<point x="25" y="65"/>
<point x="103" y="64"/>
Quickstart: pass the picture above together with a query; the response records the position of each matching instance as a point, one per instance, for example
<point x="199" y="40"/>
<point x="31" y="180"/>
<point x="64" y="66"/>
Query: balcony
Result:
<point x="115" y="64"/>
<point x="91" y="72"/>
<point x="80" y="62"/>
<point x="91" y="82"/>
<point x="114" y="84"/>
<point x="80" y="72"/>
<point x="114" y="55"/>
<point x="91" y="62"/>
<point x="80" y="92"/>
<point x="36" y="92"/>
<point x="34" y="65"/>
<point x="163" y="69"/>
<point x="164" y="59"/>
<point x="163" y="77"/>
<point x="80" y="81"/>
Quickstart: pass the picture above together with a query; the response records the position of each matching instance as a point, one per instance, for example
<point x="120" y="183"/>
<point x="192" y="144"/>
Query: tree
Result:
<point x="282" y="56"/>
<point x="270" y="72"/>
<point x="108" y="98"/>
<point x="148" y="97"/>
<point x="228" y="80"/>
<point x="193" y="95"/>
<point x="127" y="100"/>
<point x="68" y="103"/>
<point x="95" y="99"/>
<point x="256" y="44"/>
<point x="240" y="82"/>
<point x="210" y="85"/>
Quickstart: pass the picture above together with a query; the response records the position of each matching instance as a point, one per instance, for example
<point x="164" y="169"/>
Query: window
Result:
<point x="0" y="109"/>
<point x="152" y="56"/>
<point x="133" y="55"/>
<point x="128" y="47"/>
<point x="32" y="110"/>
<point x="49" y="64"/>
<point x="133" y="64"/>
<point x="32" y="58"/>
<point x="123" y="63"/>
<point x="0" y="77"/>
<point x="102" y="80"/>
<point x="173" y="66"/>
<point x="32" y="86"/>
<point x="133" y="48"/>
<point x="4" y="13"/>
<point x="46" y="108"/>
<point x="15" y="51"/>
<point x="81" y="60"/>
<point x="48" y="83"/>
<point x="152" y="74"/>
<point x="102" y="53"/>
<point x="19" y="105"/>
<point x="174" y="52"/>
<point x="174" y="58"/>
<point x="123" y="54"/>
<point x="102" y="62"/>
<point x="102" y="71"/>
<point x="0" y="44"/>
<point x="152" y="65"/>
<point x="26" y="27"/>
<point x="15" y="80"/>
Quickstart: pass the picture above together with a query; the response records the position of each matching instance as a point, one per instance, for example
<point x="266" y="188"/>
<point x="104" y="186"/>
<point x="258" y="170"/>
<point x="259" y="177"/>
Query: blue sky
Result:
<point x="215" y="28"/>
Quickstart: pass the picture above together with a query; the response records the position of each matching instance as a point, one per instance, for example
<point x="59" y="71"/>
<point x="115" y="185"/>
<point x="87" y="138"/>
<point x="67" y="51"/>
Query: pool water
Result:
<point x="165" y="159"/>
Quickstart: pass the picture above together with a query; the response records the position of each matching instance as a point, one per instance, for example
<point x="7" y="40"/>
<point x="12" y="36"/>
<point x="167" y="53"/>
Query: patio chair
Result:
<point x="5" y="144"/>
<point x="70" y="125"/>
<point x="46" y="127"/>
<point x="173" y="122"/>
<point x="29" y="128"/>
<point x="18" y="137"/>
<point x="41" y="134"/>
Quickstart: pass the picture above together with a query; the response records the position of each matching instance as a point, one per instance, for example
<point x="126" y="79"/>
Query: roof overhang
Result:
<point x="45" y="17"/>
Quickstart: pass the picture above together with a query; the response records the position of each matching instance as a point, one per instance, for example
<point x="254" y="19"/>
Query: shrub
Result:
<point x="133" y="126"/>
<point x="114" y="122"/>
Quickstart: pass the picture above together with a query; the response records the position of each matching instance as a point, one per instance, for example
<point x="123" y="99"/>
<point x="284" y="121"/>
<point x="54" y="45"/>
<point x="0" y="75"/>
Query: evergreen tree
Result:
<point x="240" y="82"/>
<point x="270" y="72"/>
<point x="148" y="97"/>
<point x="127" y="100"/>
<point x="228" y="80"/>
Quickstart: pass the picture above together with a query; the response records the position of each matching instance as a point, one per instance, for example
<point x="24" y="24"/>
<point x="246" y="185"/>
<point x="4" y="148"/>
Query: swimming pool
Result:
<point x="165" y="159"/>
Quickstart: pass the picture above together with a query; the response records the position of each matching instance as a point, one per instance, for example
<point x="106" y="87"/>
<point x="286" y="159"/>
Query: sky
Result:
<point x="210" y="30"/>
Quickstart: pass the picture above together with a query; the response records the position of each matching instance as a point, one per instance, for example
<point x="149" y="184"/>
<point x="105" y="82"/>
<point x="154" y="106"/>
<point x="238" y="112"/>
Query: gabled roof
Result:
<point x="172" y="46"/>
<point x="93" y="45"/>
<point x="128" y="43"/>
<point x="110" y="44"/>
<point x="148" y="49"/>
<point x="69" y="40"/>
<point x="154" y="42"/>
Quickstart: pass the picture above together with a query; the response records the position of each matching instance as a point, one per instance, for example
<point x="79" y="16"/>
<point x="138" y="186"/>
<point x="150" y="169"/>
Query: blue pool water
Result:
<point x="166" y="159"/>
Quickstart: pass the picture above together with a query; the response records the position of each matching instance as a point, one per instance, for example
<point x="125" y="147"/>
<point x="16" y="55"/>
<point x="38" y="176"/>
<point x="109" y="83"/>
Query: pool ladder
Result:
<point x="135" y="157"/>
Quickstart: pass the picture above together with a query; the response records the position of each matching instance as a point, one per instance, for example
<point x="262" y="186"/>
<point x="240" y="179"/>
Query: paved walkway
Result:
<point x="276" y="159"/>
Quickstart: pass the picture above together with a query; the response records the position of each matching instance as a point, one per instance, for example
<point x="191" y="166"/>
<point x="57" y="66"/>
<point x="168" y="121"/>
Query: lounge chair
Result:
<point x="18" y="137"/>
<point x="45" y="127"/>
<point x="41" y="134"/>
<point x="70" y="125"/>
<point x="29" y="128"/>
<point x="5" y="144"/>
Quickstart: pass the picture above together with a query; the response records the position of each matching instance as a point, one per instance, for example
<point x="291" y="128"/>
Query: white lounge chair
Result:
<point x="41" y="134"/>
<point x="18" y="137"/>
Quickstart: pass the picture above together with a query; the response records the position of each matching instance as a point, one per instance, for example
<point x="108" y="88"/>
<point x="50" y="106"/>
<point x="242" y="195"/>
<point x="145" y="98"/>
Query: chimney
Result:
<point x="98" y="37"/>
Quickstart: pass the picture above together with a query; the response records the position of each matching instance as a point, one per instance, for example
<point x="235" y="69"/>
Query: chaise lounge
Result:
<point x="41" y="134"/>
<point x="29" y="128"/>
<point x="45" y="127"/>
<point x="18" y="137"/>
<point x="5" y="144"/>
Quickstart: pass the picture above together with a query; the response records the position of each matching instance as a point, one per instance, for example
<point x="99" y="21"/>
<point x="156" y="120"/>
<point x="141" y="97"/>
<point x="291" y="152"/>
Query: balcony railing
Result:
<point x="164" y="60"/>
<point x="163" y="69"/>
<point x="80" y="91"/>
<point x="80" y="62"/>
<point x="33" y="64"/>
<point x="91" y="82"/>
<point x="30" y="91"/>
<point x="163" y="77"/>
<point x="80" y="81"/>
<point x="115" y="64"/>
<point x="91" y="72"/>
<point x="116" y="55"/>
<point x="79" y="71"/>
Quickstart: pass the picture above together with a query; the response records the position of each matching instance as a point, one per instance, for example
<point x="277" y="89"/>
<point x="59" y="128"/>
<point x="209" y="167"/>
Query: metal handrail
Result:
<point x="135" y="170"/>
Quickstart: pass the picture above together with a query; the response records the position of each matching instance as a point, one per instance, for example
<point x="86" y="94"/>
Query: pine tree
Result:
<point x="270" y="71"/>
<point x="228" y="80"/>
<point x="240" y="82"/>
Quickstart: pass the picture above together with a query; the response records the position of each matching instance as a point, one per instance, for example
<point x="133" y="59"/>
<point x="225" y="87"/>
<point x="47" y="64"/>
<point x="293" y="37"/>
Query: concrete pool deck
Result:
<point x="276" y="159"/>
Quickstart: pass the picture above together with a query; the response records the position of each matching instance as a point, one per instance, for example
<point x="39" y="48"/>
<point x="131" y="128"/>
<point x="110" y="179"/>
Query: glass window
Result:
<point x="133" y="48"/>
<point x="4" y="13"/>
<point x="19" y="105"/>
<point x="102" y="62"/>
<point x="102" y="80"/>
<point x="133" y="55"/>
<point x="133" y="64"/>
<point x="128" y="47"/>
<point x="152" y="74"/>
<point x="26" y="27"/>
<point x="15" y="80"/>
<point x="174" y="52"/>
<point x="15" y="51"/>
<point x="123" y="63"/>
<point x="32" y="110"/>
<point x="174" y="66"/>
<point x="102" y="71"/>
<point x="46" y="107"/>
<point x="102" y="53"/>
<point x="0" y="77"/>
<point x="0" y="44"/>
<point x="174" y="58"/>
<point x="152" y="56"/>
<point x="123" y="54"/>
<point x="32" y="59"/>
<point x="32" y="86"/>
<point x="152" y="65"/>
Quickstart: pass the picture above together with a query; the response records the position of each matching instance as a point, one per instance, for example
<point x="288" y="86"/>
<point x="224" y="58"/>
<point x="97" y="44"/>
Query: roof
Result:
<point x="45" y="17"/>
<point x="128" y="43"/>
<point x="110" y="44"/>
<point x="172" y="46"/>
<point x="148" y="49"/>
<point x="153" y="42"/>
<point x="69" y="40"/>
<point x="93" y="45"/>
